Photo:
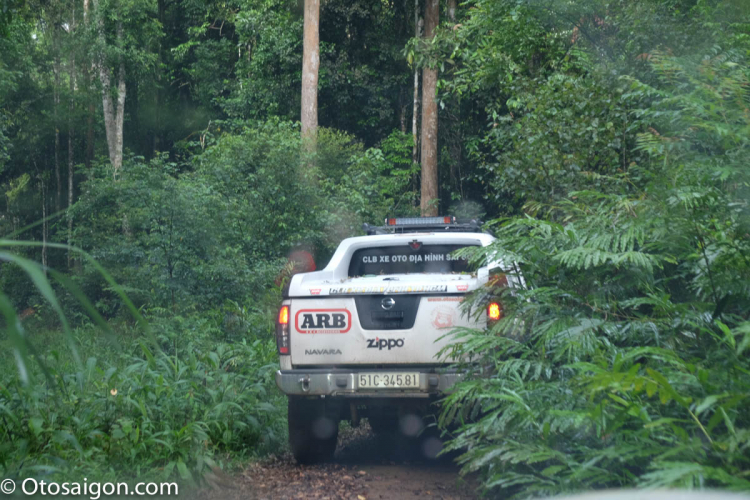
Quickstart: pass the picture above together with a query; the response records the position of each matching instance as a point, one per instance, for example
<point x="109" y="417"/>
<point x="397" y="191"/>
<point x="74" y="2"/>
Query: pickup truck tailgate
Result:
<point x="373" y="329"/>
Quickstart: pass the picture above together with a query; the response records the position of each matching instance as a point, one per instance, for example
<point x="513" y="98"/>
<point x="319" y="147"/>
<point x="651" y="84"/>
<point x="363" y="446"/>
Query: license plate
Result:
<point x="388" y="380"/>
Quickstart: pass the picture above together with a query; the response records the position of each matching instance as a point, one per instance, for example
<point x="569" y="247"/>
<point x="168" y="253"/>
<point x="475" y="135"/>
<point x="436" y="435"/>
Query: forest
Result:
<point x="159" y="162"/>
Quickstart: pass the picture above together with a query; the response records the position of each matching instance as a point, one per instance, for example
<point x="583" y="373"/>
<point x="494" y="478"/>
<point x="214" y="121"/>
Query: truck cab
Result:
<point x="363" y="336"/>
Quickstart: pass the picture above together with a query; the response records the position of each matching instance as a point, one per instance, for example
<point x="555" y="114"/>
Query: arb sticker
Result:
<point x="323" y="320"/>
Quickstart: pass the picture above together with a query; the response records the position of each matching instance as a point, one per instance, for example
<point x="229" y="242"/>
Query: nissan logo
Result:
<point x="387" y="303"/>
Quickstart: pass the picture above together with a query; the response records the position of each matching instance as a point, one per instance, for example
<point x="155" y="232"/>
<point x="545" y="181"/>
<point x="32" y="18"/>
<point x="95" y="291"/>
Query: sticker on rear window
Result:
<point x="323" y="320"/>
<point x="409" y="258"/>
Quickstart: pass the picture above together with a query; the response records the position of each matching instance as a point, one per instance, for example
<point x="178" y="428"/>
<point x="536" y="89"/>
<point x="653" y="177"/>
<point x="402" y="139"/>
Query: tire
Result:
<point x="312" y="434"/>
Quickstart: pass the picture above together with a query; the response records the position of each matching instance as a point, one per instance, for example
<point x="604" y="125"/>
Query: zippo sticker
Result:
<point x="323" y="320"/>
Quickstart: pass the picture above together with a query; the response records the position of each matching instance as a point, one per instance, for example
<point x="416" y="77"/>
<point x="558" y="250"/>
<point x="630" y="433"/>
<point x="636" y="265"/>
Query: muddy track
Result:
<point x="366" y="467"/>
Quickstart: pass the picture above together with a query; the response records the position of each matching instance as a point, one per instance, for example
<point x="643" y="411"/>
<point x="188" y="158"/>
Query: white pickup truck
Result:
<point x="361" y="338"/>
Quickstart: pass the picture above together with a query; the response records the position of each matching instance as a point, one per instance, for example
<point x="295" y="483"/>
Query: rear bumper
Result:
<point x="343" y="382"/>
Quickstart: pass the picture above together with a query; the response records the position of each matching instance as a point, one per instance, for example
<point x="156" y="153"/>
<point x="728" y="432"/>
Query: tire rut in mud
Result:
<point x="366" y="467"/>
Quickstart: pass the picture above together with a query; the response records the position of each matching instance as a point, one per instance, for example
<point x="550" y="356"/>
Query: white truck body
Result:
<point x="363" y="337"/>
<point x="327" y="327"/>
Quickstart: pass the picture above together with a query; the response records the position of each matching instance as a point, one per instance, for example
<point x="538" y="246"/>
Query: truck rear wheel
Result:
<point x="312" y="434"/>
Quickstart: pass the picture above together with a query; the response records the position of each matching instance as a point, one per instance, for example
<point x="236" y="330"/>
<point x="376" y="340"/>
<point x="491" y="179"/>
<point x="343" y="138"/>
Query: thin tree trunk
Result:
<point x="71" y="133"/>
<point x="310" y="65"/>
<point x="56" y="105"/>
<point x="428" y="205"/>
<point x="44" y="225"/>
<point x="89" y="133"/>
<point x="156" y="142"/>
<point x="454" y="116"/>
<point x="402" y="110"/>
<point x="120" y="113"/>
<point x="88" y="74"/>
<point x="415" y="110"/>
<point x="43" y="195"/>
<point x="109" y="112"/>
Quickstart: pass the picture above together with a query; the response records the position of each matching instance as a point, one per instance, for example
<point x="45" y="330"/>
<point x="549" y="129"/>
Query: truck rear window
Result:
<point x="410" y="258"/>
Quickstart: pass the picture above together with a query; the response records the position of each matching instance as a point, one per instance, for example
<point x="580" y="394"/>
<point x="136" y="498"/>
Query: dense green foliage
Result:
<point x="199" y="249"/>
<point x="156" y="415"/>
<point x="605" y="140"/>
<point x="625" y="361"/>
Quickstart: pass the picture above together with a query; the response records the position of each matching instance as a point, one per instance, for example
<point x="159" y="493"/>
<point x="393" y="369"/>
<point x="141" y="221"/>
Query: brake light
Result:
<point x="494" y="311"/>
<point x="282" y="331"/>
<point x="284" y="315"/>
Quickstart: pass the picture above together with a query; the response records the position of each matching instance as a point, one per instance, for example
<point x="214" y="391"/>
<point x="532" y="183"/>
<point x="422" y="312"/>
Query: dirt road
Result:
<point x="367" y="467"/>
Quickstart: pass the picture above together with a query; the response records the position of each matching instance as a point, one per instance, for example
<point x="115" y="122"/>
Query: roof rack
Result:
<point x="423" y="225"/>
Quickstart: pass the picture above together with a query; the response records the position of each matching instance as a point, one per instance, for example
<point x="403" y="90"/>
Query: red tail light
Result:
<point x="494" y="311"/>
<point x="282" y="331"/>
<point x="284" y="315"/>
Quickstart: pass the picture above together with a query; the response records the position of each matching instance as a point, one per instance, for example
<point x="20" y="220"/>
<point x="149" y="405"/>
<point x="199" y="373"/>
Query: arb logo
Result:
<point x="323" y="320"/>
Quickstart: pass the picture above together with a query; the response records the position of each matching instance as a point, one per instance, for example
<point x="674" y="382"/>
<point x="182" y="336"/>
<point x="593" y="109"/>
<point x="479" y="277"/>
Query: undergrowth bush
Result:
<point x="624" y="362"/>
<point x="145" y="414"/>
<point x="161" y="396"/>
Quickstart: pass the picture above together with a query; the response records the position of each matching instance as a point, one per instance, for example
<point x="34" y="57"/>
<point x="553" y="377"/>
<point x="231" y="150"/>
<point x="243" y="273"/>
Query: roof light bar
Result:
<point x="396" y="225"/>
<point x="420" y="221"/>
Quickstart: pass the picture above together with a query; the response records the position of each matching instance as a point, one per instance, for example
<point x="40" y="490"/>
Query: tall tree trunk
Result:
<point x="156" y="142"/>
<point x="56" y="105"/>
<point x="428" y="205"/>
<point x="114" y="113"/>
<point x="310" y="65"/>
<point x="120" y="113"/>
<point x="415" y="110"/>
<point x="43" y="195"/>
<point x="71" y="131"/>
<point x="91" y="109"/>
<point x="89" y="132"/>
<point x="44" y="224"/>
<point x="454" y="116"/>
<point x="402" y="110"/>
